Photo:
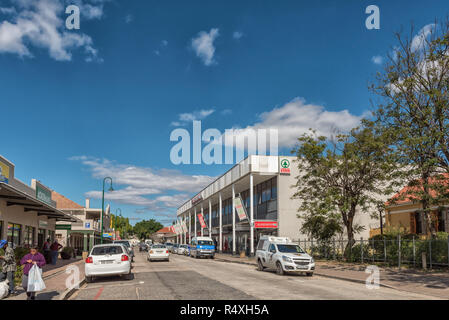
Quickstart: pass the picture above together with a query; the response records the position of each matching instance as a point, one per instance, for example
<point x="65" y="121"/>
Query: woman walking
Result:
<point x="30" y="259"/>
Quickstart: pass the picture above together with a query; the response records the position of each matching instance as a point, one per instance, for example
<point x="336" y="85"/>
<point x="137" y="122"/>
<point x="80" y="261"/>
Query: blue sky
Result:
<point x="102" y="100"/>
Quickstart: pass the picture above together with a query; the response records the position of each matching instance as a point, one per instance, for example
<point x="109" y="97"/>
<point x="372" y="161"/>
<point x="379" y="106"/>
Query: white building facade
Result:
<point x="264" y="185"/>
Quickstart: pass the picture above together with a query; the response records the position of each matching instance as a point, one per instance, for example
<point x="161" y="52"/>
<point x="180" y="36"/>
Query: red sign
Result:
<point x="201" y="219"/>
<point x="265" y="224"/>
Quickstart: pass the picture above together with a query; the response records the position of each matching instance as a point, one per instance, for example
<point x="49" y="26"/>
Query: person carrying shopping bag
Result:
<point x="30" y="260"/>
<point x="8" y="263"/>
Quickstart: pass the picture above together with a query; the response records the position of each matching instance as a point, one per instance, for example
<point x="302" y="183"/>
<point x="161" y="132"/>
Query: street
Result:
<point x="184" y="278"/>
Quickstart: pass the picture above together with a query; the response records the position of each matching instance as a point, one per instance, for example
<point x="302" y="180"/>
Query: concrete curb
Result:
<point x="68" y="293"/>
<point x="317" y="273"/>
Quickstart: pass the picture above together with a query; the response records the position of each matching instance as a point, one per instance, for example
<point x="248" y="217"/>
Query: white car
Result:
<point x="281" y="254"/>
<point x="182" y="249"/>
<point x="158" y="252"/>
<point x="108" y="260"/>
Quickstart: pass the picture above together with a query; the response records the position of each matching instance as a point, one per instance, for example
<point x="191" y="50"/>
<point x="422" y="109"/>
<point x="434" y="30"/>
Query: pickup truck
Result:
<point x="284" y="256"/>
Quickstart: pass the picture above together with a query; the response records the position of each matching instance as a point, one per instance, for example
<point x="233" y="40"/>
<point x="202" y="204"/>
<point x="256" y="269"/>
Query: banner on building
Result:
<point x="201" y="220"/>
<point x="4" y="172"/>
<point x="265" y="224"/>
<point x="184" y="227"/>
<point x="240" y="208"/>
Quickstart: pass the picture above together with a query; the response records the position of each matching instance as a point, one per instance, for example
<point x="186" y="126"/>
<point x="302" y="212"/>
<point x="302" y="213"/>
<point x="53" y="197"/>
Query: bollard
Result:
<point x="424" y="262"/>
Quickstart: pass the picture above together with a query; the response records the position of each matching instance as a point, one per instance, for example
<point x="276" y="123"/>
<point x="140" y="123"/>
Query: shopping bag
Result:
<point x="35" y="282"/>
<point x="4" y="288"/>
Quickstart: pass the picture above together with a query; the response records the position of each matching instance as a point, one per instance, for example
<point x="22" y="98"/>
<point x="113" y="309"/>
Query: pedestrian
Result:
<point x="55" y="251"/>
<point x="46" y="249"/>
<point x="30" y="259"/>
<point x="8" y="266"/>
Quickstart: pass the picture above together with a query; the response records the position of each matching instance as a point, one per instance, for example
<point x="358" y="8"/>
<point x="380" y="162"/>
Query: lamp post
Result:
<point x="116" y="216"/>
<point x="102" y="206"/>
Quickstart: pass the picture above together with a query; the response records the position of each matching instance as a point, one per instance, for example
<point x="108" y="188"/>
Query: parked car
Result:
<point x="128" y="246"/>
<point x="158" y="252"/>
<point x="175" y="248"/>
<point x="143" y="247"/>
<point x="108" y="260"/>
<point x="169" y="246"/>
<point x="182" y="249"/>
<point x="202" y="247"/>
<point x="281" y="254"/>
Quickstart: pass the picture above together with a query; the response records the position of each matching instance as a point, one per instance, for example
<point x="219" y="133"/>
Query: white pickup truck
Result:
<point x="281" y="254"/>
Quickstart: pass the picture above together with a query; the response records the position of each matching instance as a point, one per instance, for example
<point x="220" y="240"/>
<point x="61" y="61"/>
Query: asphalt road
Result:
<point x="204" y="279"/>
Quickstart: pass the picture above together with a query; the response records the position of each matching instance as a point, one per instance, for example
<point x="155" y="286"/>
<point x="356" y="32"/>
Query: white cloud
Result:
<point x="377" y="60"/>
<point x="237" y="35"/>
<point x="297" y="117"/>
<point x="129" y="18"/>
<point x="151" y="189"/>
<point x="185" y="118"/>
<point x="41" y="23"/>
<point x="164" y="43"/>
<point x="419" y="40"/>
<point x="10" y="10"/>
<point x="203" y="45"/>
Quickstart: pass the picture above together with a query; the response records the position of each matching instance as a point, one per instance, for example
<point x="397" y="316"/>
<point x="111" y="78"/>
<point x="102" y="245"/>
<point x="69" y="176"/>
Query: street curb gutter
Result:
<point x="68" y="293"/>
<point x="317" y="273"/>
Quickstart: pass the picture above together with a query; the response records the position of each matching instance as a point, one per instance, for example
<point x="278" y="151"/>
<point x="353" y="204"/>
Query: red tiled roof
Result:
<point x="409" y="193"/>
<point x="165" y="230"/>
<point x="63" y="202"/>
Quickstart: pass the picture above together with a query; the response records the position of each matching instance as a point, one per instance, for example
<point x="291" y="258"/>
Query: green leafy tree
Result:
<point x="145" y="228"/>
<point x="123" y="225"/>
<point x="339" y="176"/>
<point x="413" y="107"/>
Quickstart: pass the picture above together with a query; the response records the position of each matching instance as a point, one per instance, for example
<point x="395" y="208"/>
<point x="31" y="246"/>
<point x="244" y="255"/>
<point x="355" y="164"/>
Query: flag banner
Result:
<point x="184" y="227"/>
<point x="201" y="220"/>
<point x="240" y="208"/>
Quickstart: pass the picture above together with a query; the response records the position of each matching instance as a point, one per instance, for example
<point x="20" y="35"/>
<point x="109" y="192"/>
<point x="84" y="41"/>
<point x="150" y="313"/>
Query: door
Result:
<point x="270" y="256"/>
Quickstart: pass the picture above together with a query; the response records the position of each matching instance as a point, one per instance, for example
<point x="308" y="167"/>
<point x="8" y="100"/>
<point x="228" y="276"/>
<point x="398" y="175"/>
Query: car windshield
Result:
<point x="126" y="243"/>
<point x="205" y="242"/>
<point x="290" y="248"/>
<point x="158" y="246"/>
<point x="101" y="251"/>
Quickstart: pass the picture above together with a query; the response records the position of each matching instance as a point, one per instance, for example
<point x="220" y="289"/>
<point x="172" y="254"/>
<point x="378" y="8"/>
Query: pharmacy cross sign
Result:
<point x="285" y="166"/>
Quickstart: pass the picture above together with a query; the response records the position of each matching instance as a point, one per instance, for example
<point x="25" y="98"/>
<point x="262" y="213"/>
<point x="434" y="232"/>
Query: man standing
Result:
<point x="8" y="266"/>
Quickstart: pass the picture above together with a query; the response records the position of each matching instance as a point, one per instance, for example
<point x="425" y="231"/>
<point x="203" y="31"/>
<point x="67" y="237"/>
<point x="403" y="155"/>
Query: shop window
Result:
<point x="41" y="237"/>
<point x="14" y="234"/>
<point x="29" y="235"/>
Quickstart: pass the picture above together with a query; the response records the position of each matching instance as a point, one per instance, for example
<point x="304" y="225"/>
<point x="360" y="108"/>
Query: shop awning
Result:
<point x="15" y="197"/>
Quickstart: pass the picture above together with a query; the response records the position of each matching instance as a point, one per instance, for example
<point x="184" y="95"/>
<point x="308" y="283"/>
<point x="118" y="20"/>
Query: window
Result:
<point x="29" y="235"/>
<point x="101" y="251"/>
<point x="260" y="245"/>
<point x="274" y="188"/>
<point x="419" y="221"/>
<point x="40" y="237"/>
<point x="272" y="248"/>
<point x="14" y="231"/>
<point x="290" y="248"/>
<point x="441" y="221"/>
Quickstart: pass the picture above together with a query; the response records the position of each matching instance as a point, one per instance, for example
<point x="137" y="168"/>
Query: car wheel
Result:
<point x="128" y="276"/>
<point x="309" y="274"/>
<point x="279" y="269"/>
<point x="259" y="265"/>
<point x="89" y="279"/>
<point x="212" y="257"/>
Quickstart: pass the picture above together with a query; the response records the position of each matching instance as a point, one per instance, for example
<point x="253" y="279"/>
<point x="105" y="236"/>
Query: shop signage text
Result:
<point x="43" y="194"/>
<point x="197" y="198"/>
<point x="265" y="224"/>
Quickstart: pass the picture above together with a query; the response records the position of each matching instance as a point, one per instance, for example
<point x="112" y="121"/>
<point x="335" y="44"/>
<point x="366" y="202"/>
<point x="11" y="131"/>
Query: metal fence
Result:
<point x="412" y="252"/>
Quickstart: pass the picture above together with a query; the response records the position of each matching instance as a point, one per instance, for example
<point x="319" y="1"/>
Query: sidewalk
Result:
<point x="418" y="281"/>
<point x="54" y="278"/>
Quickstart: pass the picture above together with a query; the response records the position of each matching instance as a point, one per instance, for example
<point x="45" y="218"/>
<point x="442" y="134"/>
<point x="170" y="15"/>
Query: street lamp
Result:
<point x="102" y="205"/>
<point x="116" y="216"/>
